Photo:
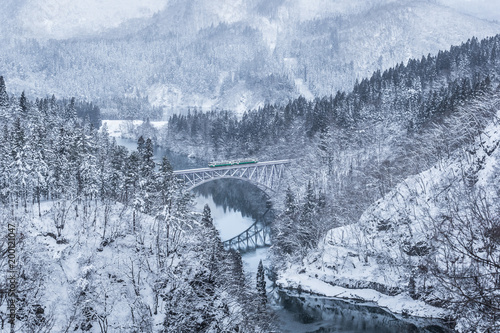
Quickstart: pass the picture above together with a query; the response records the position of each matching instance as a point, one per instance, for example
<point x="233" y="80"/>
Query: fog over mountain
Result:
<point x="218" y="54"/>
<point x="61" y="19"/>
<point x="487" y="9"/>
<point x="373" y="126"/>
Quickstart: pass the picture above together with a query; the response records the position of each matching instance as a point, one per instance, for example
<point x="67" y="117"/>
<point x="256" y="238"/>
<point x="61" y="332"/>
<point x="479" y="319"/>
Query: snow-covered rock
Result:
<point x="400" y="237"/>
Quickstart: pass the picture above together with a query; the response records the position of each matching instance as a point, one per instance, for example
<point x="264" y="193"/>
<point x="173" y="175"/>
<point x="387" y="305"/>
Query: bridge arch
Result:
<point x="256" y="236"/>
<point x="260" y="186"/>
<point x="265" y="175"/>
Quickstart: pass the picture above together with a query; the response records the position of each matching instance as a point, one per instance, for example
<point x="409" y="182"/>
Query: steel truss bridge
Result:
<point x="258" y="235"/>
<point x="265" y="175"/>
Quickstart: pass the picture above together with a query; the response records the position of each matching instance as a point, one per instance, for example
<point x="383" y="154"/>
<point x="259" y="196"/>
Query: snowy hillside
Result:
<point x="218" y="54"/>
<point x="487" y="9"/>
<point x="65" y="19"/>
<point x="392" y="34"/>
<point x="68" y="18"/>
<point x="103" y="240"/>
<point x="425" y="241"/>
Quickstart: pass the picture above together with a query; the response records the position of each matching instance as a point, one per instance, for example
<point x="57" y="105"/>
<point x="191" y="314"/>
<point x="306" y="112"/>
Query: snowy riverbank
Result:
<point x="399" y="304"/>
<point x="125" y="128"/>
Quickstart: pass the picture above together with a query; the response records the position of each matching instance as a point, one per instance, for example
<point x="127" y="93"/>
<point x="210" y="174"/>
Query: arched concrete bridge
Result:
<point x="265" y="175"/>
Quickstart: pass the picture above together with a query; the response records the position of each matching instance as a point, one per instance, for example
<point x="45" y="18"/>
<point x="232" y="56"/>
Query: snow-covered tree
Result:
<point x="261" y="288"/>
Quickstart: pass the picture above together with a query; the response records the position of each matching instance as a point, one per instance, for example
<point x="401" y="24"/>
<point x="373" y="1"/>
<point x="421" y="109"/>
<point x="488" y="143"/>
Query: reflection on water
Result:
<point x="235" y="205"/>
<point x="227" y="220"/>
<point x="233" y="194"/>
<point x="309" y="313"/>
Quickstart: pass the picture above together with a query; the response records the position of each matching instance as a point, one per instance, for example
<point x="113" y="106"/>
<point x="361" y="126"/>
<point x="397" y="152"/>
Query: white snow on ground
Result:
<point x="165" y="95"/>
<point x="118" y="128"/>
<point x="238" y="98"/>
<point x="83" y="256"/>
<point x="303" y="89"/>
<point x="487" y="9"/>
<point x="311" y="9"/>
<point x="362" y="256"/>
<point x="401" y="303"/>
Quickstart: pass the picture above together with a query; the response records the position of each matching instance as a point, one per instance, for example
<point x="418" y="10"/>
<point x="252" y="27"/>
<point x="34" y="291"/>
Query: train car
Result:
<point x="248" y="161"/>
<point x="216" y="164"/>
<point x="220" y="163"/>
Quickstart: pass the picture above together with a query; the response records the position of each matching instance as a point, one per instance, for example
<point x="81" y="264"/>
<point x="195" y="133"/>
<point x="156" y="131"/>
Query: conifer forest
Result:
<point x="250" y="166"/>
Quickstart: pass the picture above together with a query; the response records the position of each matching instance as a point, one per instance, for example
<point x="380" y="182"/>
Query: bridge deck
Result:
<point x="238" y="166"/>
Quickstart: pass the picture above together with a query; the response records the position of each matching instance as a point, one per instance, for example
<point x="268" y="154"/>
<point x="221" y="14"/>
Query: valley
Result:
<point x="249" y="166"/>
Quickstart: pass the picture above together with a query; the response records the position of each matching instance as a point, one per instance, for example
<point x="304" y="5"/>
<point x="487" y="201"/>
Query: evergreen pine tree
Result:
<point x="166" y="182"/>
<point x="23" y="104"/>
<point x="148" y="163"/>
<point x="21" y="170"/>
<point x="141" y="146"/>
<point x="306" y="229"/>
<point x="118" y="161"/>
<point x="207" y="219"/>
<point x="290" y="205"/>
<point x="5" y="164"/>
<point x="4" y="97"/>
<point x="211" y="235"/>
<point x="412" y="288"/>
<point x="285" y="232"/>
<point x="310" y="203"/>
<point x="261" y="287"/>
<point x="70" y="111"/>
<point x="131" y="173"/>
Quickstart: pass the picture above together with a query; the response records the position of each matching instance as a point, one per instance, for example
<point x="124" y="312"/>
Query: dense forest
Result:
<point x="105" y="240"/>
<point x="410" y="95"/>
<point x="269" y="52"/>
<point x="351" y="149"/>
<point x="373" y="134"/>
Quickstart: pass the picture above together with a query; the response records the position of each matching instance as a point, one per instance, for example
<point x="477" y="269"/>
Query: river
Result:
<point x="235" y="205"/>
<point x="234" y="208"/>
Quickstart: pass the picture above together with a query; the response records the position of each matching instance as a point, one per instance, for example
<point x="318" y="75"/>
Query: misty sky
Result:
<point x="67" y="18"/>
<point x="488" y="9"/>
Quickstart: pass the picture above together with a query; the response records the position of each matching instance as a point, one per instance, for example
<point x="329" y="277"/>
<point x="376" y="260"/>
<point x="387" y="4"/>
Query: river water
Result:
<point x="235" y="205"/>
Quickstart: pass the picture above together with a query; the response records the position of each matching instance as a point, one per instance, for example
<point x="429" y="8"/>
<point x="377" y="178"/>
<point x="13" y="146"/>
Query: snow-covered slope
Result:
<point x="487" y="9"/>
<point x="219" y="54"/>
<point x="319" y="52"/>
<point x="69" y="18"/>
<point x="395" y="33"/>
<point x="408" y="242"/>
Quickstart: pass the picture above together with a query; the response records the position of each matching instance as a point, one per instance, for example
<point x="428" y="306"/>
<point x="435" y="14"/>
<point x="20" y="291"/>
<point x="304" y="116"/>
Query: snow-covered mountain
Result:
<point x="433" y="239"/>
<point x="218" y="54"/>
<point x="487" y="9"/>
<point x="61" y="19"/>
<point x="65" y="19"/>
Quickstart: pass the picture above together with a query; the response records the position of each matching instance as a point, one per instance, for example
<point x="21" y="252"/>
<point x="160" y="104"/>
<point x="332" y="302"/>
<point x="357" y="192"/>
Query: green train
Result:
<point x="229" y="163"/>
